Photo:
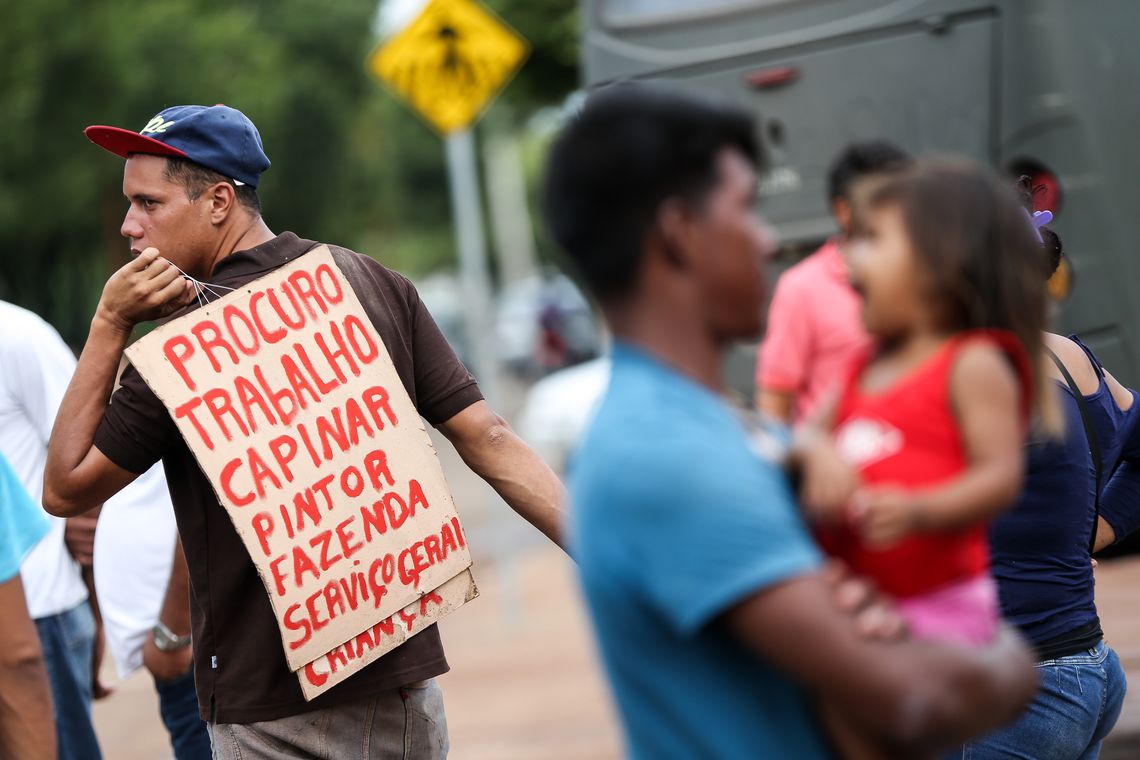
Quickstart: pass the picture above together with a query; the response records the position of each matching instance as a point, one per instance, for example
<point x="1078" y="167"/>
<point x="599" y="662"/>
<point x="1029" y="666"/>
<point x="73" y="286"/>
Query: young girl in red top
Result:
<point x="924" y="445"/>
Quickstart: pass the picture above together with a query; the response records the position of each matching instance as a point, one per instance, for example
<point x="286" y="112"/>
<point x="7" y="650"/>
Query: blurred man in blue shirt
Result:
<point x="714" y="618"/>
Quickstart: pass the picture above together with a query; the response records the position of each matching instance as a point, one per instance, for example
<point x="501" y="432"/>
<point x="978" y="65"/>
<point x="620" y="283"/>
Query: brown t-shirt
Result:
<point x="239" y="663"/>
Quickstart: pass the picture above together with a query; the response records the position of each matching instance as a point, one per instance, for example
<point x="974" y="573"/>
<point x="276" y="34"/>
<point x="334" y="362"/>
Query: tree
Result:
<point x="551" y="72"/>
<point x="350" y="166"/>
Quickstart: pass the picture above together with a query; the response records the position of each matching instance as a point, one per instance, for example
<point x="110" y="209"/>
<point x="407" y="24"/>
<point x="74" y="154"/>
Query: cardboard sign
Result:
<point x="288" y="399"/>
<point x="325" y="672"/>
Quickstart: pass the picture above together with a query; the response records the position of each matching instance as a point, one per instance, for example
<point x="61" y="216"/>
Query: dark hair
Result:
<point x="859" y="159"/>
<point x="982" y="263"/>
<point x="196" y="178"/>
<point x="1050" y="240"/>
<point x="631" y="147"/>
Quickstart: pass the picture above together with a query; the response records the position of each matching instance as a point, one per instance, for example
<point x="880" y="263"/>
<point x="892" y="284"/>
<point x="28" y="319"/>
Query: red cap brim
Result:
<point x="123" y="142"/>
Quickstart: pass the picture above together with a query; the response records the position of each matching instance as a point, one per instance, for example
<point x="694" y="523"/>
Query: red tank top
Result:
<point x="907" y="437"/>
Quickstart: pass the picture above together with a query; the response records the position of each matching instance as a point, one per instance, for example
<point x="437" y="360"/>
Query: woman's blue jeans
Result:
<point x="68" y="640"/>
<point x="1077" y="706"/>
<point x="178" y="703"/>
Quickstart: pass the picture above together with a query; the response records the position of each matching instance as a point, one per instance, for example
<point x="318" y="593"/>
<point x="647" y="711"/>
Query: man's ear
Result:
<point x="675" y="226"/>
<point x="841" y="210"/>
<point x="222" y="197"/>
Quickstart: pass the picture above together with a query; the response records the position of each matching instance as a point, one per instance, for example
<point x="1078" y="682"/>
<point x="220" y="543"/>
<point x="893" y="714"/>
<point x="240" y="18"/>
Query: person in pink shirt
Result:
<point x="815" y="328"/>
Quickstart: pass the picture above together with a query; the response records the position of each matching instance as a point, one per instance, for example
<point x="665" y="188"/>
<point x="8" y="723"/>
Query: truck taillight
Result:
<point x="1046" y="190"/>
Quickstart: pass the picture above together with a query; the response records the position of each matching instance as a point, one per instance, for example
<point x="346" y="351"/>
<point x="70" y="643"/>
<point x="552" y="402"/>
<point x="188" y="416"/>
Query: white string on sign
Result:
<point x="201" y="288"/>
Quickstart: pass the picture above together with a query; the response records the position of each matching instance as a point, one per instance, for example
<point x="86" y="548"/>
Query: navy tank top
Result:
<point x="1040" y="548"/>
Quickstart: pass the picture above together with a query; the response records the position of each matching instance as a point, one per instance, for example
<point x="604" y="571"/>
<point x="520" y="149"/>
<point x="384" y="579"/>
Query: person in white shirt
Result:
<point x="141" y="581"/>
<point x="35" y="368"/>
<point x="131" y="554"/>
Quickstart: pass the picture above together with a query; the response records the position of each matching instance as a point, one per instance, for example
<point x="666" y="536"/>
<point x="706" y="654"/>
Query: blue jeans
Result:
<point x="178" y="703"/>
<point x="68" y="640"/>
<point x="1078" y="704"/>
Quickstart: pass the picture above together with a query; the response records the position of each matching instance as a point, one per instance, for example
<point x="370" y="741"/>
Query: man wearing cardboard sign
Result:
<point x="191" y="177"/>
<point x="293" y="408"/>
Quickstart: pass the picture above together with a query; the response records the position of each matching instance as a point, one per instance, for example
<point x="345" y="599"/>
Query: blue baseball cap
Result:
<point x="217" y="137"/>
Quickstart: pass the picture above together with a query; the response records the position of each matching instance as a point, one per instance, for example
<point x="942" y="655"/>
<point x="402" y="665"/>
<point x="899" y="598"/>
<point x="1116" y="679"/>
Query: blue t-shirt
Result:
<point x="675" y="519"/>
<point x="22" y="522"/>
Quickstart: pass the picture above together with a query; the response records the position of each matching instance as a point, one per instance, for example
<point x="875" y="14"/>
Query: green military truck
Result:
<point x="1041" y="87"/>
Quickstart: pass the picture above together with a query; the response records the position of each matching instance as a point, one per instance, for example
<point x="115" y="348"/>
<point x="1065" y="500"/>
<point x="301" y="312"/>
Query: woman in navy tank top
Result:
<point x="1041" y="555"/>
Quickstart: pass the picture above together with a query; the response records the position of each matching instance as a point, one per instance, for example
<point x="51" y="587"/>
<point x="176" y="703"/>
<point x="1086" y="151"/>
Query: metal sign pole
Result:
<point x="462" y="172"/>
<point x="447" y="64"/>
<point x="463" y="175"/>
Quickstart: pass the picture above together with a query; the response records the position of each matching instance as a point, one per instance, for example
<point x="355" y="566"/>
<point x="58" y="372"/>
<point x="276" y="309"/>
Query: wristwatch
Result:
<point x="167" y="640"/>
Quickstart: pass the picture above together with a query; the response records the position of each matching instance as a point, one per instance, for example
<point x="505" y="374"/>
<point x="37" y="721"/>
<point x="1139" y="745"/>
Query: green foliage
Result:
<point x="350" y="165"/>
<point x="551" y="72"/>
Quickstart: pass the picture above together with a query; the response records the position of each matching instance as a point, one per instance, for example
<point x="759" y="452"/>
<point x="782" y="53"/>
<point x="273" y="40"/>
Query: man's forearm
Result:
<point x="77" y="475"/>
<point x="68" y="488"/>
<point x="175" y="613"/>
<point x="493" y="451"/>
<point x="913" y="695"/>
<point x="930" y="697"/>
<point x="169" y="663"/>
<point x="26" y="728"/>
<point x="967" y="693"/>
<point x="525" y="482"/>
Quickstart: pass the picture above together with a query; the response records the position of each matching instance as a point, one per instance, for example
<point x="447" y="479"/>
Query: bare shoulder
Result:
<point x="1075" y="361"/>
<point x="983" y="379"/>
<point x="979" y="364"/>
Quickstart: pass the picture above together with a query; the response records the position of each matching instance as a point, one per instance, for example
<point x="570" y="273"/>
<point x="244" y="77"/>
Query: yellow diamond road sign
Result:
<point x="450" y="62"/>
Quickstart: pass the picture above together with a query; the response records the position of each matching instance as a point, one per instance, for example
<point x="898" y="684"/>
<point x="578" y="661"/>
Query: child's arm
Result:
<point x="986" y="396"/>
<point x="827" y="481"/>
